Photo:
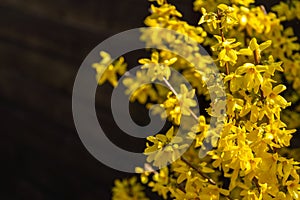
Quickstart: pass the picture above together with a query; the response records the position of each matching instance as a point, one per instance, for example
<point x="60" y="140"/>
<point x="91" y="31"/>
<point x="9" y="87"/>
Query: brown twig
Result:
<point x="223" y="40"/>
<point x="198" y="170"/>
<point x="256" y="57"/>
<point x="176" y="94"/>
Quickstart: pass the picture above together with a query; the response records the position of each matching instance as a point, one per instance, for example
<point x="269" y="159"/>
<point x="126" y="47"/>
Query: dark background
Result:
<point x="42" y="44"/>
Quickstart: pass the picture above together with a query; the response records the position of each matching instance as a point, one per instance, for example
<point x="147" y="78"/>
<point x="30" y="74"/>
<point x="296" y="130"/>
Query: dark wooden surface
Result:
<point x="42" y="44"/>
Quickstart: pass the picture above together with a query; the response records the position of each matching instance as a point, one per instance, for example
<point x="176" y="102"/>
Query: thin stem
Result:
<point x="170" y="86"/>
<point x="174" y="92"/>
<point x="256" y="57"/>
<point x="210" y="180"/>
<point x="246" y="37"/>
<point x="198" y="171"/>
<point x="220" y="25"/>
<point x="255" y="181"/>
<point x="149" y="168"/>
<point x="227" y="71"/>
<point x="194" y="115"/>
<point x="223" y="40"/>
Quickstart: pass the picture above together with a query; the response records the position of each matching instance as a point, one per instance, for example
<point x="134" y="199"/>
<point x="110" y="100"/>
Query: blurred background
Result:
<point x="42" y="45"/>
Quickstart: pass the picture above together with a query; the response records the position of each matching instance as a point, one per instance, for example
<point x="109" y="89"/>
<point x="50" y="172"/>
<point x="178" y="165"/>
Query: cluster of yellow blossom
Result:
<point x="180" y="104"/>
<point x="166" y="16"/>
<point x="288" y="10"/>
<point x="108" y="69"/>
<point x="165" y="148"/>
<point x="255" y="21"/>
<point x="128" y="189"/>
<point x="239" y="155"/>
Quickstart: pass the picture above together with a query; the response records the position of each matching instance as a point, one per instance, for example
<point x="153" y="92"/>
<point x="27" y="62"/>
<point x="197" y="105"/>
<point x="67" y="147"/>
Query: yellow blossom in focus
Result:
<point x="226" y="48"/>
<point x="252" y="78"/>
<point x="273" y="97"/>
